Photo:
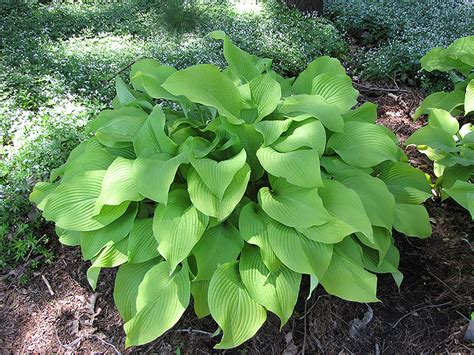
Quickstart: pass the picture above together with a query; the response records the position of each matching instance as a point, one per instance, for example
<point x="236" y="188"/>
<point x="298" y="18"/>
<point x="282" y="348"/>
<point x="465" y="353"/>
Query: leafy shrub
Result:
<point x="398" y="33"/>
<point x="54" y="69"/>
<point x="449" y="146"/>
<point x="242" y="183"/>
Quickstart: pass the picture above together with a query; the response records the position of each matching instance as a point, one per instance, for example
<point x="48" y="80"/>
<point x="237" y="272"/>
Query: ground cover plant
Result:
<point x="394" y="35"/>
<point x="57" y="65"/>
<point x="232" y="187"/>
<point x="444" y="140"/>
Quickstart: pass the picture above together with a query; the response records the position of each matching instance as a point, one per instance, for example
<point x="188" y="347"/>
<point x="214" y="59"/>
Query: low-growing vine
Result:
<point x="228" y="186"/>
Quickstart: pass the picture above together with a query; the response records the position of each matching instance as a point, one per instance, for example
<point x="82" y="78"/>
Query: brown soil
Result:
<point x="428" y="314"/>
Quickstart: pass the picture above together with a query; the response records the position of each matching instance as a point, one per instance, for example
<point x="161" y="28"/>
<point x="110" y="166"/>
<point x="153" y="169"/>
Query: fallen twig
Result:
<point x="376" y="88"/>
<point x="106" y="343"/>
<point x="419" y="309"/>
<point x="189" y="330"/>
<point x="46" y="282"/>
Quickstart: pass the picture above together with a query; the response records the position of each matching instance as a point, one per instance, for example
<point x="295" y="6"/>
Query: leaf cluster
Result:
<point x="444" y="141"/>
<point x="233" y="187"/>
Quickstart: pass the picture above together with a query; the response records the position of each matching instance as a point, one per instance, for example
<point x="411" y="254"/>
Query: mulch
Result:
<point x="429" y="314"/>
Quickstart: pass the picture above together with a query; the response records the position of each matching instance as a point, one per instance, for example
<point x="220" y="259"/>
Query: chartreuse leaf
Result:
<point x="148" y="75"/>
<point x="367" y="112"/>
<point x="307" y="106"/>
<point x="118" y="185"/>
<point x="304" y="82"/>
<point x="153" y="176"/>
<point x="205" y="84"/>
<point x="381" y="242"/>
<point x="206" y="202"/>
<point x="98" y="159"/>
<point x="299" y="253"/>
<point x="276" y="291"/>
<point x="388" y="265"/>
<point x="231" y="306"/>
<point x="71" y="206"/>
<point x="116" y="127"/>
<point x="293" y="206"/>
<point x="177" y="227"/>
<point x="242" y="64"/>
<point x="407" y="184"/>
<point x="151" y="139"/>
<point x="161" y="300"/>
<point x="142" y="245"/>
<point x="378" y="202"/>
<point x="309" y="133"/>
<point x="299" y="167"/>
<point x="93" y="241"/>
<point x="124" y="95"/>
<point x="463" y="193"/>
<point x="200" y="290"/>
<point x="345" y="204"/>
<point x="127" y="281"/>
<point x="272" y="130"/>
<point x="442" y="119"/>
<point x="111" y="256"/>
<point x="69" y="238"/>
<point x="346" y="277"/>
<point x="363" y="145"/>
<point x="218" y="175"/>
<point x="432" y="136"/>
<point x="218" y="245"/>
<point x="337" y="89"/>
<point x="412" y="220"/>
<point x="331" y="232"/>
<point x="469" y="98"/>
<point x="41" y="192"/>
<point x="443" y="100"/>
<point x="253" y="226"/>
<point x="265" y="94"/>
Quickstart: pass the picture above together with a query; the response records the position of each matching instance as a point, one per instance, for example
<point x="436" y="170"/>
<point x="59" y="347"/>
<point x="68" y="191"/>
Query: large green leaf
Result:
<point x="363" y="144"/>
<point x="309" y="133"/>
<point x="376" y="198"/>
<point x="432" y="136"/>
<point x="276" y="291"/>
<point x="299" y="167"/>
<point x="148" y="75"/>
<point x="41" y="192"/>
<point x="206" y="202"/>
<point x="292" y="205"/>
<point x="346" y="205"/>
<point x="442" y="119"/>
<point x="463" y="193"/>
<point x="272" y="130"/>
<point x="71" y="206"/>
<point x="118" y="185"/>
<point x="200" y="290"/>
<point x="142" y="245"/>
<point x="93" y="241"/>
<point x="406" y="183"/>
<point x="367" y="112"/>
<point x="265" y="94"/>
<point x="218" y="245"/>
<point x="205" y="84"/>
<point x="237" y="314"/>
<point x="242" y="64"/>
<point x="469" y="98"/>
<point x="97" y="159"/>
<point x="337" y="89"/>
<point x="306" y="106"/>
<point x="443" y="100"/>
<point x="127" y="281"/>
<point x="111" y="256"/>
<point x="151" y="138"/>
<point x="332" y="232"/>
<point x="304" y="81"/>
<point x="161" y="300"/>
<point x="178" y="226"/>
<point x="253" y="226"/>
<point x="298" y="252"/>
<point x="219" y="175"/>
<point x="412" y="220"/>
<point x="153" y="176"/>
<point x="346" y="276"/>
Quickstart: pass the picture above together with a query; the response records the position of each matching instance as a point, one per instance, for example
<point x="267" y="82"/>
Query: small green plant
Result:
<point x="448" y="145"/>
<point x="237" y="185"/>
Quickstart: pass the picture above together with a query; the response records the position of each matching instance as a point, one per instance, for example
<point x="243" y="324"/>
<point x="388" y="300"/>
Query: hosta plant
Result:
<point x="444" y="141"/>
<point x="228" y="186"/>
